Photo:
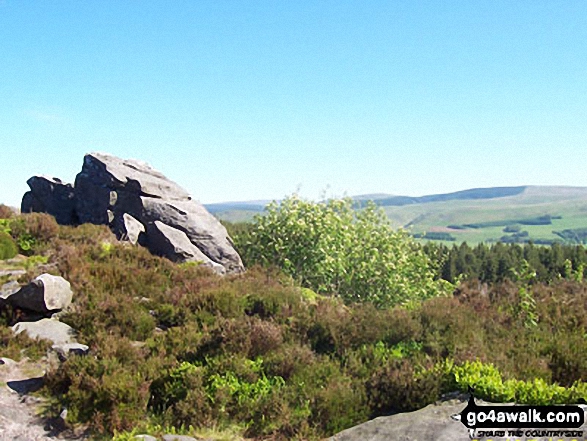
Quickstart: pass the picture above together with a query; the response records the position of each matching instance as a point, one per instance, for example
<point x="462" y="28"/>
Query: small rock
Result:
<point x="67" y="349"/>
<point x="45" y="293"/>
<point x="131" y="229"/>
<point x="12" y="273"/>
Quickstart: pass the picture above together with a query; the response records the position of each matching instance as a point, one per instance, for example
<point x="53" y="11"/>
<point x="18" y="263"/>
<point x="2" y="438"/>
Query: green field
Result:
<point x="567" y="205"/>
<point x="570" y="204"/>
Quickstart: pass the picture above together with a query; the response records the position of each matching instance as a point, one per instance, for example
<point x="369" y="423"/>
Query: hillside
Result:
<point x="474" y="215"/>
<point x="176" y="348"/>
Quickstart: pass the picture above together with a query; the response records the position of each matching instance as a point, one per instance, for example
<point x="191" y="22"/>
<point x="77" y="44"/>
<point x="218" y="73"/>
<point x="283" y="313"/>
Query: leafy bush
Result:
<point x="331" y="248"/>
<point x="8" y="247"/>
<point x="487" y="382"/>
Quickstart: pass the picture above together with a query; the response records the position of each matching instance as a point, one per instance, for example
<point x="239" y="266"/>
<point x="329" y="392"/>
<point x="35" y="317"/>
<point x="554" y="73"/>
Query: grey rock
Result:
<point x="131" y="229"/>
<point x="175" y="244"/>
<point x="142" y="205"/>
<point x="433" y="422"/>
<point x="130" y="175"/>
<point x="145" y="437"/>
<point x="44" y="294"/>
<point x="201" y="228"/>
<point x="50" y="195"/>
<point x="92" y="200"/>
<point x="49" y="329"/>
<point x="65" y="350"/>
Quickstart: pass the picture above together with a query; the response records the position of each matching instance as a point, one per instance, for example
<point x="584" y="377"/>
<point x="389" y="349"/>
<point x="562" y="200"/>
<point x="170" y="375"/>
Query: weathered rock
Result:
<point x="49" y="329"/>
<point x="175" y="244"/>
<point x="131" y="229"/>
<point x="141" y="205"/>
<point x="433" y="422"/>
<point x="436" y="422"/>
<point x="44" y="294"/>
<point x="50" y="195"/>
<point x="201" y="228"/>
<point x="65" y="350"/>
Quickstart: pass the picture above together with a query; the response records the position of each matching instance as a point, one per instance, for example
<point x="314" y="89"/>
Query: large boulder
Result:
<point x="50" y="195"/>
<point x="143" y="206"/>
<point x="46" y="293"/>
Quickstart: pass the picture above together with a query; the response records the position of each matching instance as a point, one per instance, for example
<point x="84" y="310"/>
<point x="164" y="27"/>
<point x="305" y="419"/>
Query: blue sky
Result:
<point x="240" y="100"/>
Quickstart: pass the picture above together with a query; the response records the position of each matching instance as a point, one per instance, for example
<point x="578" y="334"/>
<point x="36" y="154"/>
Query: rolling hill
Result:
<point x="538" y="213"/>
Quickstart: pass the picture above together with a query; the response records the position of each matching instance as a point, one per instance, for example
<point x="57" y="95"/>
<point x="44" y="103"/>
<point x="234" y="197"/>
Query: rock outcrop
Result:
<point x="140" y="205"/>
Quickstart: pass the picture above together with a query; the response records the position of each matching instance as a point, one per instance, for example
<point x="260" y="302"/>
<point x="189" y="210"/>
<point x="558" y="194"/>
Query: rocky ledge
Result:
<point x="140" y="205"/>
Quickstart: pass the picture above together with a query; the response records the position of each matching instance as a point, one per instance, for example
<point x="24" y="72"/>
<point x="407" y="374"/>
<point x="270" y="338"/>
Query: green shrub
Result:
<point x="331" y="248"/>
<point x="487" y="382"/>
<point x="8" y="247"/>
<point x="288" y="360"/>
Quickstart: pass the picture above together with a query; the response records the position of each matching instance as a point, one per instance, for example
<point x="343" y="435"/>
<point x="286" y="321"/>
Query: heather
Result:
<point x="271" y="354"/>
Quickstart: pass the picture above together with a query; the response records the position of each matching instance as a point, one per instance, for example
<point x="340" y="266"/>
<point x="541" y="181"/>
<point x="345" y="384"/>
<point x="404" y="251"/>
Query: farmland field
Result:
<point x="566" y="206"/>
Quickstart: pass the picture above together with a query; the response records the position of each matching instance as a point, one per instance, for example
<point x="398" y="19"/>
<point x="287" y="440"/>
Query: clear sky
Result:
<point x="241" y="100"/>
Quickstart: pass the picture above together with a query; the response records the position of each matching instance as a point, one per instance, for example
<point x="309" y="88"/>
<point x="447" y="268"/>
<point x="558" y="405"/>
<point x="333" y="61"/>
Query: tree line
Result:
<point x="498" y="262"/>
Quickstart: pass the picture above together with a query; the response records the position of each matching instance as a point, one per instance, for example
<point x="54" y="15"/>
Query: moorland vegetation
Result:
<point x="337" y="320"/>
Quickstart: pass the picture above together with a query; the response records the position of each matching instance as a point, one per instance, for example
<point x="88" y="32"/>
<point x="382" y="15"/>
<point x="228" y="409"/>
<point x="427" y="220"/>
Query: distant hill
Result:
<point x="543" y="214"/>
<point x="474" y="193"/>
<point x="224" y="209"/>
